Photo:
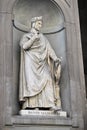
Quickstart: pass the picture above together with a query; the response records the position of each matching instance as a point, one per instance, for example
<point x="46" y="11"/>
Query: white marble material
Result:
<point x="40" y="70"/>
<point x="42" y="113"/>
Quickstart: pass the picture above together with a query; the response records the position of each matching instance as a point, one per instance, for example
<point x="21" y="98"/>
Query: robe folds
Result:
<point x="36" y="85"/>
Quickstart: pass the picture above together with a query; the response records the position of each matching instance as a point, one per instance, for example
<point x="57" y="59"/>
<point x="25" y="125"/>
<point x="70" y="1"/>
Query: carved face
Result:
<point x="38" y="25"/>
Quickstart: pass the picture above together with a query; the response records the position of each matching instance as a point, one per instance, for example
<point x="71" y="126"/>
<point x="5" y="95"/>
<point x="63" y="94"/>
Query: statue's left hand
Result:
<point x="57" y="62"/>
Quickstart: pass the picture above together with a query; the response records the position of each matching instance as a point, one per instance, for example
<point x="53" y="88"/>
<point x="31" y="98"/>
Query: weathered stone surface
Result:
<point x="6" y="6"/>
<point x="38" y="127"/>
<point x="68" y="2"/>
<point x="6" y="61"/>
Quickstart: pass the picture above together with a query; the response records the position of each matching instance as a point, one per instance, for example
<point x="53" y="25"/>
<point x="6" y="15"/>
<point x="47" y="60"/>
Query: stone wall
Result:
<point x="10" y="120"/>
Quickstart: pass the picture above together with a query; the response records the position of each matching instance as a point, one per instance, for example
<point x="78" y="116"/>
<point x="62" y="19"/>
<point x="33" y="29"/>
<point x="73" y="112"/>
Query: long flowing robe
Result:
<point x="36" y="86"/>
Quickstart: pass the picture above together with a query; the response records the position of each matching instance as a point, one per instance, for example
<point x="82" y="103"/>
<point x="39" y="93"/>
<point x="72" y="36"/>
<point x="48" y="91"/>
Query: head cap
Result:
<point x="36" y="19"/>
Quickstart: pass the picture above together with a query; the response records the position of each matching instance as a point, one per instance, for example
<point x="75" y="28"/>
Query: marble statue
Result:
<point x="40" y="71"/>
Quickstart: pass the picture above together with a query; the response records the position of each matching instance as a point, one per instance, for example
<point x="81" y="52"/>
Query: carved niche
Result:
<point x="53" y="28"/>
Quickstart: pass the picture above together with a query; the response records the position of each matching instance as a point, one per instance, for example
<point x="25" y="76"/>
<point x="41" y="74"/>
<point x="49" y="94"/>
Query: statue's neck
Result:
<point x="34" y="31"/>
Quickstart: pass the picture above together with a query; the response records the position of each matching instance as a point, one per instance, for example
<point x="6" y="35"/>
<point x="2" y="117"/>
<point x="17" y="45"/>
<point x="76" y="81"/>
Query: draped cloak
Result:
<point x="35" y="71"/>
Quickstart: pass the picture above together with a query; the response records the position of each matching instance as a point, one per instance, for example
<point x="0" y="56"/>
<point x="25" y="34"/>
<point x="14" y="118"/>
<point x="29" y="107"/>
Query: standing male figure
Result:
<point x="39" y="70"/>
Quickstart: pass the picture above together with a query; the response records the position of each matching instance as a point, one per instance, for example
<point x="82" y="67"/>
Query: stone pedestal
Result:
<point x="42" y="113"/>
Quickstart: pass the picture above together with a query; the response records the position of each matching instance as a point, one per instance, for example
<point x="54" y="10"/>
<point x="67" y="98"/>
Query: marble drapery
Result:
<point x="39" y="73"/>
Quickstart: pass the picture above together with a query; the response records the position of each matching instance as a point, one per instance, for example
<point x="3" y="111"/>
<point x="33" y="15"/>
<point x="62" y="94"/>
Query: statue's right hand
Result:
<point x="36" y="36"/>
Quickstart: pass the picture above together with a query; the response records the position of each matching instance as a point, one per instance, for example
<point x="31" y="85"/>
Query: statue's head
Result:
<point x="36" y="22"/>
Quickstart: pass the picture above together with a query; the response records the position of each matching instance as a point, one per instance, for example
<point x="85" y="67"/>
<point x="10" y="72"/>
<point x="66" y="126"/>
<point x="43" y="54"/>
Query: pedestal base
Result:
<point x="43" y="113"/>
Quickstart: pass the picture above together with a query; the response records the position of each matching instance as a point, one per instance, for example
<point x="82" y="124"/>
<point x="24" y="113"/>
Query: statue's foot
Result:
<point x="37" y="109"/>
<point x="55" y="108"/>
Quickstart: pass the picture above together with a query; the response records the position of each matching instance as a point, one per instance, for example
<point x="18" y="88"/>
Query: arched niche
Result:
<point x="49" y="10"/>
<point x="53" y="28"/>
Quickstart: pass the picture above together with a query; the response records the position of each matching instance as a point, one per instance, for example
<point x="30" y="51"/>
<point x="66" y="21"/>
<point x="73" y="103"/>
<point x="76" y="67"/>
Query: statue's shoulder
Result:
<point x="42" y="35"/>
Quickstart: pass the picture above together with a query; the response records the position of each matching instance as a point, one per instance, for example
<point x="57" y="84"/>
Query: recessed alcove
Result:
<point x="24" y="10"/>
<point x="53" y="29"/>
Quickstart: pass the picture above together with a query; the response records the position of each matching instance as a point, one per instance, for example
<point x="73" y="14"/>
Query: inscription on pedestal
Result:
<point x="42" y="113"/>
